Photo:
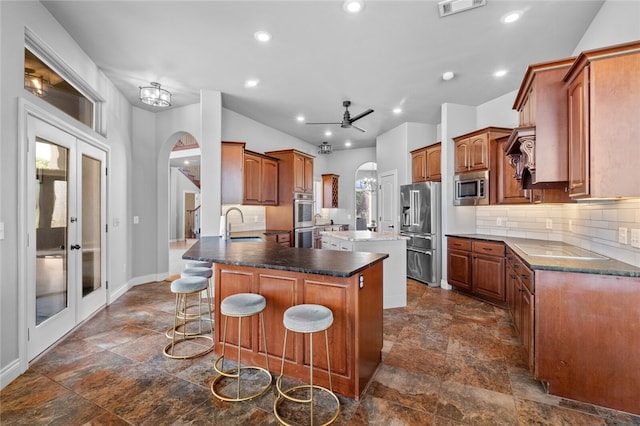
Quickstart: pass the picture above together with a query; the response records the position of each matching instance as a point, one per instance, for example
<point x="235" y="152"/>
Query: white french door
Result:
<point x="67" y="235"/>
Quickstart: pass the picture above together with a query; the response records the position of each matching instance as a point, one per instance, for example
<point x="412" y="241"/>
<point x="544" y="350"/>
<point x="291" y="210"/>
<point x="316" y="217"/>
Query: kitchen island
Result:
<point x="350" y="284"/>
<point x="395" y="271"/>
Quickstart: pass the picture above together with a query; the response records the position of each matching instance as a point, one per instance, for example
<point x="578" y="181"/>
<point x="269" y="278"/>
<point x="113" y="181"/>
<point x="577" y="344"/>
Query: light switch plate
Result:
<point x="635" y="238"/>
<point x="1" y="230"/>
<point x="622" y="235"/>
<point x="549" y="224"/>
<point x="136" y="220"/>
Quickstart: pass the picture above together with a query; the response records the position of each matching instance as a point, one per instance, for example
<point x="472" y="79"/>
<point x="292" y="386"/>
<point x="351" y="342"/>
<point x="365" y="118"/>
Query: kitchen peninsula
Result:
<point x="349" y="283"/>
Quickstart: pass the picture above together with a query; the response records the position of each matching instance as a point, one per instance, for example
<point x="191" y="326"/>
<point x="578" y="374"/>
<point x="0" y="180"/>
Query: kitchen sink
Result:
<point x="559" y="251"/>
<point x="247" y="239"/>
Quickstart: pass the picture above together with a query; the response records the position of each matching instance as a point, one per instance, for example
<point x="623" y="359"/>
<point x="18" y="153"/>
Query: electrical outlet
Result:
<point x="1" y="230"/>
<point x="570" y="225"/>
<point x="499" y="221"/>
<point x="136" y="220"/>
<point x="622" y="235"/>
<point x="549" y="224"/>
<point x="635" y="238"/>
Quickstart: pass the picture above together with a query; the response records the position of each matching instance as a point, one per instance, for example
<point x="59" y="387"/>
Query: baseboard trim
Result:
<point x="10" y="373"/>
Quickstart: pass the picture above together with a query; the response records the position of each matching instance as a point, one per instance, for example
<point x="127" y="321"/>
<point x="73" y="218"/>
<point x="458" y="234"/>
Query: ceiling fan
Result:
<point x="347" y="121"/>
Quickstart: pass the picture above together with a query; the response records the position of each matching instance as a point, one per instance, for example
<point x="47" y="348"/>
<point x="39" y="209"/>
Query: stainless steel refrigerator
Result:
<point x="420" y="221"/>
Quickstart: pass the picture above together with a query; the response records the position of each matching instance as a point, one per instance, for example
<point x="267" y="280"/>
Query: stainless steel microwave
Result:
<point x="471" y="189"/>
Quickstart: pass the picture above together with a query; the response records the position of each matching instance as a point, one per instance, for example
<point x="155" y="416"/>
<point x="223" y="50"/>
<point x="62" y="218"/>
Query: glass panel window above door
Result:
<point x="44" y="82"/>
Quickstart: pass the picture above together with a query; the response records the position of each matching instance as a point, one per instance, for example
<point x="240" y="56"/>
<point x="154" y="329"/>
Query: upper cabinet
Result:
<point x="425" y="163"/>
<point x="541" y="136"/>
<point x="330" y="191"/>
<point x="248" y="177"/>
<point x="295" y="173"/>
<point x="260" y="179"/>
<point x="509" y="190"/>
<point x="471" y="152"/>
<point x="603" y="95"/>
<point x="476" y="151"/>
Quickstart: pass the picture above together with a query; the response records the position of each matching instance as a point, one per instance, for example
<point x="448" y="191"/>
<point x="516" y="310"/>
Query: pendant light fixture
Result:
<point x="36" y="84"/>
<point x="154" y="95"/>
<point x="325" y="148"/>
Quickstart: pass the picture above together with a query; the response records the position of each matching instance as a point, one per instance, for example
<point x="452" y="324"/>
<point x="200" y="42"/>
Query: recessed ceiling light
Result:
<point x="347" y="144"/>
<point x="253" y="82"/>
<point x="262" y="36"/>
<point x="328" y="133"/>
<point x="186" y="162"/>
<point x="397" y="110"/>
<point x="448" y="75"/>
<point x="353" y="6"/>
<point x="500" y="73"/>
<point x="511" y="17"/>
<point x="300" y="118"/>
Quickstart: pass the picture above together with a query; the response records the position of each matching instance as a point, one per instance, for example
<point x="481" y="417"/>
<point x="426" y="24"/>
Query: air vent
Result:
<point x="449" y="7"/>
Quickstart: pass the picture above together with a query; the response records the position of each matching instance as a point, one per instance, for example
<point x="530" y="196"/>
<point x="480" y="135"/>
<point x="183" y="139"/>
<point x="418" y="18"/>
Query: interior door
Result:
<point x="66" y="243"/>
<point x="388" y="200"/>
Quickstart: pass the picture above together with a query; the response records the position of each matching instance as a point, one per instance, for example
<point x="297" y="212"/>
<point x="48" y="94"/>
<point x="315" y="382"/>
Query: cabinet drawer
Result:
<point x="526" y="276"/>
<point x="283" y="238"/>
<point x="493" y="249"/>
<point x="459" y="243"/>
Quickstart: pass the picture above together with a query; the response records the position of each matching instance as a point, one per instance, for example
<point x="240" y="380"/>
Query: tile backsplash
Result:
<point x="254" y="217"/>
<point x="591" y="225"/>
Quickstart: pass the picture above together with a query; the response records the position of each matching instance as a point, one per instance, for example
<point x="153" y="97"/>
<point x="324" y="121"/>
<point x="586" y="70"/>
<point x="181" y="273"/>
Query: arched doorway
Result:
<point x="184" y="199"/>
<point x="366" y="196"/>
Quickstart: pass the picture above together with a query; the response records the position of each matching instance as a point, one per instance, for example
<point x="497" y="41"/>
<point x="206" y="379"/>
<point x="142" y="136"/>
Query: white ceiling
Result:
<point x="391" y="54"/>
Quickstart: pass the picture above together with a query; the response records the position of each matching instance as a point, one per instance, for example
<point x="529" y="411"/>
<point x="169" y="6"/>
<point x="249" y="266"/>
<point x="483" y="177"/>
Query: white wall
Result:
<point x="498" y="112"/>
<point x="617" y="22"/>
<point x="15" y="16"/>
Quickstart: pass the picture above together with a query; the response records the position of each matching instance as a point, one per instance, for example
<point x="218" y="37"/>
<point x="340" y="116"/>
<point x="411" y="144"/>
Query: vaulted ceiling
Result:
<point x="391" y="54"/>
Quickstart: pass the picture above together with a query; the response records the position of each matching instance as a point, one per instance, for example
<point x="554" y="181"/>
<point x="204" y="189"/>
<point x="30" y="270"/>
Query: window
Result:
<point x="49" y="78"/>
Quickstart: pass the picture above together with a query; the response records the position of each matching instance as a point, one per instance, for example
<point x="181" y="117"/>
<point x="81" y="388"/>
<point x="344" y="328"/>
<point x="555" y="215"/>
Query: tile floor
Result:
<point x="447" y="360"/>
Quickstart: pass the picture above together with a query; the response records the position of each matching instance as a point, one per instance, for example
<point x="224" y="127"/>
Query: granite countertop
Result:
<point x="271" y="255"/>
<point x="596" y="265"/>
<point x="365" y="235"/>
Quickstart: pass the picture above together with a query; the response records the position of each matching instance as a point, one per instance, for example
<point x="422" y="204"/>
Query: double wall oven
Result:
<point x="303" y="219"/>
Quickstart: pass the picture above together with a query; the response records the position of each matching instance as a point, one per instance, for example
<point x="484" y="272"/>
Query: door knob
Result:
<point x="75" y="247"/>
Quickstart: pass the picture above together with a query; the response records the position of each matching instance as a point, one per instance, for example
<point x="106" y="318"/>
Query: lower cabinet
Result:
<point x="477" y="267"/>
<point x="520" y="301"/>
<point x="282" y="238"/>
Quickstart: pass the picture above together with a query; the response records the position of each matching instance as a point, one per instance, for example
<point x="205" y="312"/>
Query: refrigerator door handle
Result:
<point x="424" y="237"/>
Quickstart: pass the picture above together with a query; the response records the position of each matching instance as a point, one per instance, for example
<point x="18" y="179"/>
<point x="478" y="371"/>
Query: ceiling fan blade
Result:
<point x="358" y="128"/>
<point x="322" y="123"/>
<point x="359" y="116"/>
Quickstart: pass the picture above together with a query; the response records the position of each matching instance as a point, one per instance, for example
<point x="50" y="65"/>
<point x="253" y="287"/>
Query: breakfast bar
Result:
<point x="348" y="283"/>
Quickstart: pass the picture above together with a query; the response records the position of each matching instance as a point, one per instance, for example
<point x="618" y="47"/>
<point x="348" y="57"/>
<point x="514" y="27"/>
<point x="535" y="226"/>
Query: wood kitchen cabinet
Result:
<point x="425" y="163"/>
<point x="603" y="105"/>
<point x="509" y="190"/>
<point x="295" y="174"/>
<point x="459" y="263"/>
<point x="520" y="301"/>
<point x="475" y="151"/>
<point x="330" y="191"/>
<point x="477" y="268"/>
<point x="232" y="188"/>
<point x="260" y="179"/>
<point x="247" y="177"/>
<point x="541" y="136"/>
<point x="282" y="238"/>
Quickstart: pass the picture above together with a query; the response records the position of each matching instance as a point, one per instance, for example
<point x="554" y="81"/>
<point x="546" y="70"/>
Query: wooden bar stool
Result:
<point x="182" y="288"/>
<point x="308" y="319"/>
<point x="241" y="305"/>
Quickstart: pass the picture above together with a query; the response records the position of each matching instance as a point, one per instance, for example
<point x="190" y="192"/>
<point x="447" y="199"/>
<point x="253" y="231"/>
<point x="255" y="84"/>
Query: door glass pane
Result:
<point x="52" y="177"/>
<point x="91" y="215"/>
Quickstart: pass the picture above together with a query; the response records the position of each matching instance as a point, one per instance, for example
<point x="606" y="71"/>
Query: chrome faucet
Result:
<point x="226" y="220"/>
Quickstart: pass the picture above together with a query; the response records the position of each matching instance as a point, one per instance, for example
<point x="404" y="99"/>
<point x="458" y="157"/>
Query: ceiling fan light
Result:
<point x="154" y="95"/>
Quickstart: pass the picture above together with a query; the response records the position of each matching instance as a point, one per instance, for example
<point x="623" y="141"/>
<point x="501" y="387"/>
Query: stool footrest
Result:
<point x="168" y="350"/>
<point x="234" y="373"/>
<point x="284" y="395"/>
